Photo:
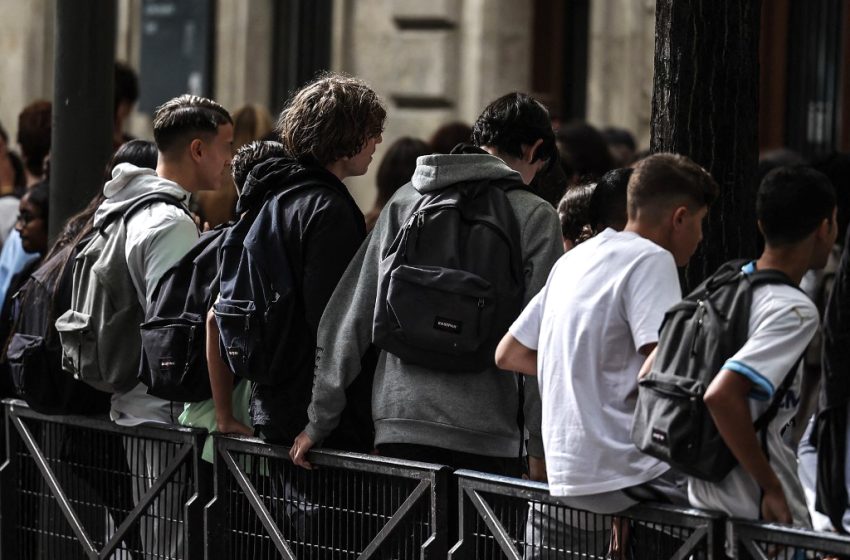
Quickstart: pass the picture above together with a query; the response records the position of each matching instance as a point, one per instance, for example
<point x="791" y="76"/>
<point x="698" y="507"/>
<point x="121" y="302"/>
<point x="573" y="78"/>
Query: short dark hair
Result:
<point x="126" y="84"/>
<point x="330" y="118"/>
<point x="513" y="120"/>
<point x="251" y="154"/>
<point x="140" y="153"/>
<point x="34" y="130"/>
<point x="179" y="120"/>
<point x="573" y="210"/>
<point x="615" y="135"/>
<point x="450" y="135"/>
<point x="792" y="202"/>
<point x="39" y="195"/>
<point x="398" y="165"/>
<point x="584" y="151"/>
<point x="664" y="179"/>
<point x="608" y="202"/>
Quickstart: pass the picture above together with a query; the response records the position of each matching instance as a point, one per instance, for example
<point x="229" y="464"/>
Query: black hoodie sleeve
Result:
<point x="333" y="234"/>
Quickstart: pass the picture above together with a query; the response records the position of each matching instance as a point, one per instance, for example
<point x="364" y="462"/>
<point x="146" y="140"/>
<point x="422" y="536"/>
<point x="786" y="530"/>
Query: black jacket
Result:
<point x="831" y="425"/>
<point x="322" y="229"/>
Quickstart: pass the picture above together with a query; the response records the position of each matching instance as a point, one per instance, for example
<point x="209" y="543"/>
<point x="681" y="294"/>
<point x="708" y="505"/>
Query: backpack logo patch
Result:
<point x="659" y="437"/>
<point x="166" y="363"/>
<point x="448" y="325"/>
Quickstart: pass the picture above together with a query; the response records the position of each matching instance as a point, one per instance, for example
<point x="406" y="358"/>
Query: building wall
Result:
<point x="620" y="65"/>
<point x="433" y="62"/>
<point x="26" y="67"/>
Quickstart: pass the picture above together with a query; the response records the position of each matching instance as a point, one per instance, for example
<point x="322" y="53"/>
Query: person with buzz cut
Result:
<point x="193" y="136"/>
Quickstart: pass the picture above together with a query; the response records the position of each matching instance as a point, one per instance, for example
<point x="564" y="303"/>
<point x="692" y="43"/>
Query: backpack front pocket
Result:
<point x="440" y="309"/>
<point x="240" y="328"/>
<point x="28" y="367"/>
<point x="79" y="348"/>
<point x="669" y="413"/>
<point x="173" y="352"/>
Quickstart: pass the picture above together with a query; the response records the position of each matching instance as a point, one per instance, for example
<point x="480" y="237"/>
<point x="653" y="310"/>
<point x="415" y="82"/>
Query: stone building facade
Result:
<point x="433" y="62"/>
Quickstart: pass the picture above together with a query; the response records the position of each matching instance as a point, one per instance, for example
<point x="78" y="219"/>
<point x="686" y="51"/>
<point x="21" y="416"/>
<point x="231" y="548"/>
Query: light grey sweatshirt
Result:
<point x="157" y="237"/>
<point x="468" y="412"/>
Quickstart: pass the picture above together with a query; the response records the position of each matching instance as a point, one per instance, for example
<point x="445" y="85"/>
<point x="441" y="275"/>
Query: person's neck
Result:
<point x="175" y="173"/>
<point x="793" y="260"/>
<point x="653" y="232"/>
<point x="337" y="168"/>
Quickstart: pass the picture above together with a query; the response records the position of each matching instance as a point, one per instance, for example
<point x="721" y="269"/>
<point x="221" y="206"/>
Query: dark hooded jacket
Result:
<point x="321" y="228"/>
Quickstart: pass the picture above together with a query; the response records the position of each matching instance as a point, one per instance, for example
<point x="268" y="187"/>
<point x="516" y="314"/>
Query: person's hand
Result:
<point x="537" y="469"/>
<point x="774" y="507"/>
<point x="299" y="449"/>
<point x="233" y="426"/>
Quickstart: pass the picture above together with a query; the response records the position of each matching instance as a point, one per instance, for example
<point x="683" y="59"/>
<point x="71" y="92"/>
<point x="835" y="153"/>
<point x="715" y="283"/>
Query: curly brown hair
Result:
<point x="331" y="118"/>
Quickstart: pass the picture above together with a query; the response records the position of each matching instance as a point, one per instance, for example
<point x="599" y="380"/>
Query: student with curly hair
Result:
<point x="329" y="130"/>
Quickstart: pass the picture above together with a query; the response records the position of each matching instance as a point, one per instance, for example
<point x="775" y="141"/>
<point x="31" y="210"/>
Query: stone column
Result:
<point x="243" y="55"/>
<point x="620" y="65"/>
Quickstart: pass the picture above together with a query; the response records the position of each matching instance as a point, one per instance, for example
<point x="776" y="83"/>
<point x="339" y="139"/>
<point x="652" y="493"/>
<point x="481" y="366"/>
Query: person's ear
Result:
<point x="529" y="152"/>
<point x="761" y="227"/>
<point x="196" y="149"/>
<point x="679" y="215"/>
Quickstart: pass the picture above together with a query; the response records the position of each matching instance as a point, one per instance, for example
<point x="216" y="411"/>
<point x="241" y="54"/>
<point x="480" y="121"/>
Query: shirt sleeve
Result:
<point x="650" y="290"/>
<point x="526" y="328"/>
<point x="777" y="340"/>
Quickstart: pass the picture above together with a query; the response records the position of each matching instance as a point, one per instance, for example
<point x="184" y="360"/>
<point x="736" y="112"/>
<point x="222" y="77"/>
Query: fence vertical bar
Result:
<point x="8" y="483"/>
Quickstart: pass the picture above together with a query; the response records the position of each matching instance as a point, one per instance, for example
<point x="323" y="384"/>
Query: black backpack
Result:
<point x="34" y="352"/>
<point x="173" y="362"/>
<point x="255" y="309"/>
<point x="452" y="281"/>
<point x="698" y="335"/>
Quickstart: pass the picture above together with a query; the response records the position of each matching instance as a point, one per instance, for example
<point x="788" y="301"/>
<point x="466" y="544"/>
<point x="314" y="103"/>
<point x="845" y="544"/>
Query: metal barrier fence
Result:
<point x="760" y="541"/>
<point x="79" y="487"/>
<point x="351" y="506"/>
<point x="506" y="518"/>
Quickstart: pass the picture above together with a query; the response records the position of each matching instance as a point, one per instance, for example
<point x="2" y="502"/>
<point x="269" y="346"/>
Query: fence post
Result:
<point x="462" y="549"/>
<point x="203" y="474"/>
<point x="217" y="514"/>
<point x="438" y="548"/>
<point x="8" y="483"/>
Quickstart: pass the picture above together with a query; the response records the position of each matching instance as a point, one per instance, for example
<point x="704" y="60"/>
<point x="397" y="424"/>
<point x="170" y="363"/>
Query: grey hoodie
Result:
<point x="467" y="412"/>
<point x="157" y="237"/>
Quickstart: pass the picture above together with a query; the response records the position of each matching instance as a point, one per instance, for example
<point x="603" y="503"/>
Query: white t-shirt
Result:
<point x="603" y="301"/>
<point x="782" y="322"/>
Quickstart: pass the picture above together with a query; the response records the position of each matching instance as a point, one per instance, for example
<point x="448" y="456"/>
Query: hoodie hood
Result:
<point x="130" y="183"/>
<point x="277" y="173"/>
<point x="438" y="171"/>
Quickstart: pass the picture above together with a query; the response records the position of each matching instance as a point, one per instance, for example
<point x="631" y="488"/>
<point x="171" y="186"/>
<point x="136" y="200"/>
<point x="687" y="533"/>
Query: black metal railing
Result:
<point x="516" y="519"/>
<point x="351" y="506"/>
<point x="81" y="487"/>
<point x="761" y="541"/>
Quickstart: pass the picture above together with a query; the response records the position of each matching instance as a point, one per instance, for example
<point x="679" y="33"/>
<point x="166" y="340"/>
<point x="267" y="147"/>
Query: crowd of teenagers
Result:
<point x="511" y="305"/>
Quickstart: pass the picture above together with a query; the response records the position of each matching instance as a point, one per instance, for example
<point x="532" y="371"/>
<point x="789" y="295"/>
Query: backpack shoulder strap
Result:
<point x="144" y="202"/>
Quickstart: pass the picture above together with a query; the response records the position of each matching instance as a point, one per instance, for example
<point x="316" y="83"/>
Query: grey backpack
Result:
<point x="100" y="332"/>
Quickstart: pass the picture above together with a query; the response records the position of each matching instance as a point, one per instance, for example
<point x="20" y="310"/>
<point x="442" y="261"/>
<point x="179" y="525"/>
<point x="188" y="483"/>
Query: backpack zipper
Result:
<point x="700" y="316"/>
